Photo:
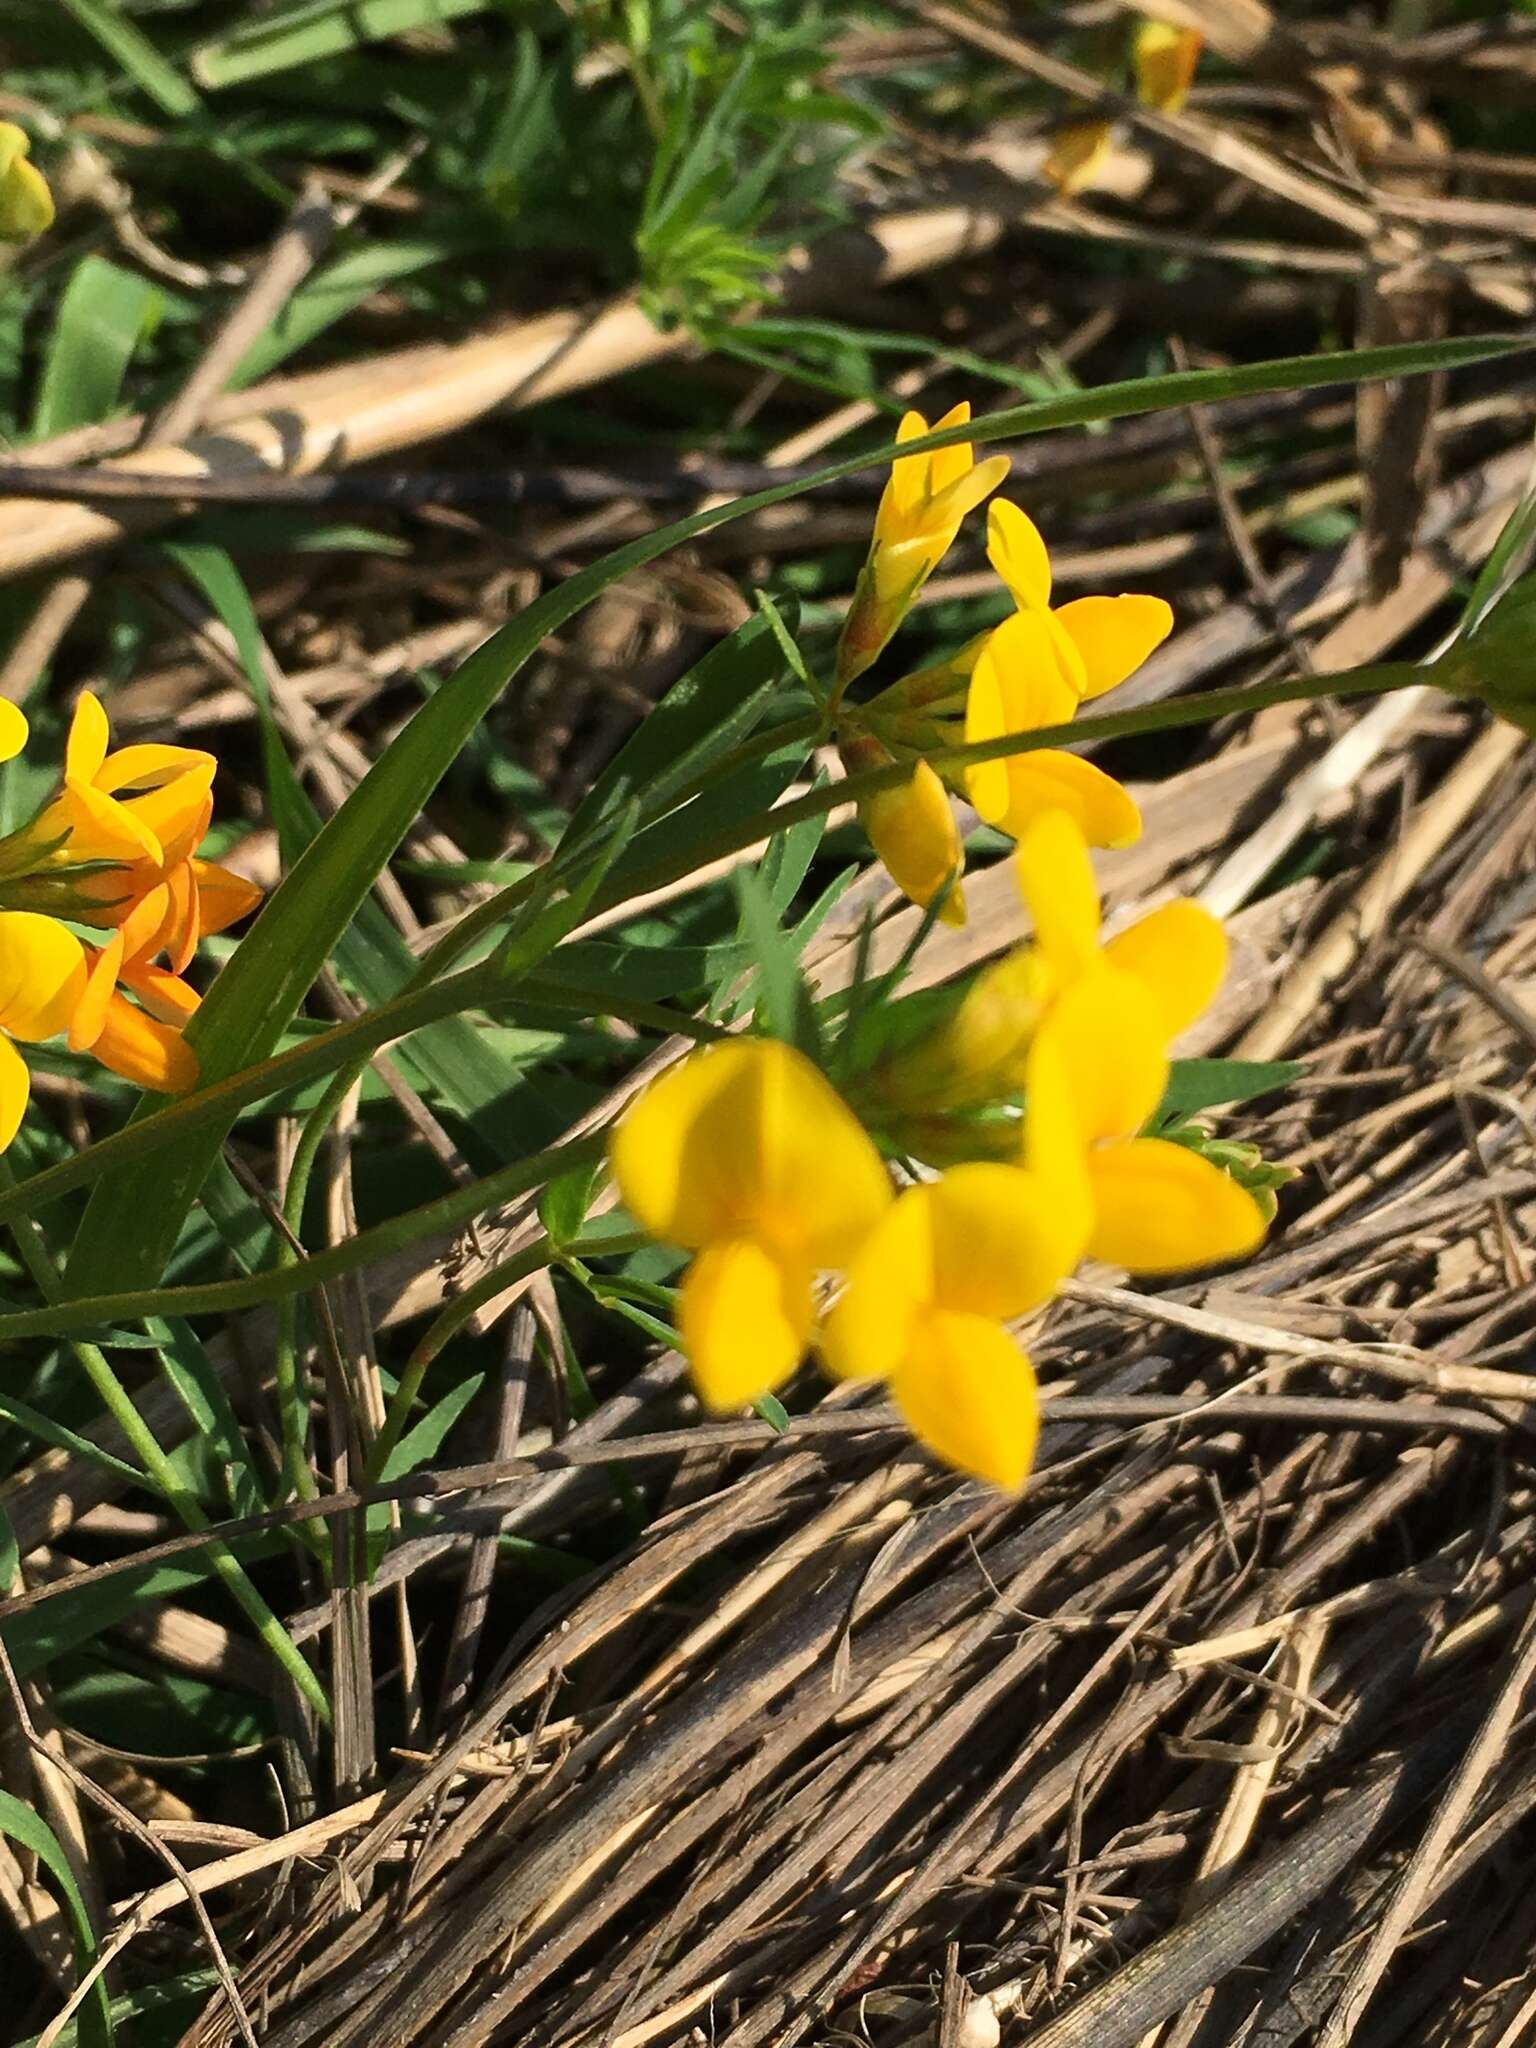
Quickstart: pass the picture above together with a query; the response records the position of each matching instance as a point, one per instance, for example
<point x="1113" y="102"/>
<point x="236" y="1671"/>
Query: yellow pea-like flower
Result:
<point x="1165" y="58"/>
<point x="921" y="511"/>
<point x="1021" y="683"/>
<point x="1156" y="1207"/>
<point x="746" y="1155"/>
<point x="912" y="827"/>
<point x="1093" y="643"/>
<point x="926" y="1302"/>
<point x="142" y="810"/>
<point x="26" y="204"/>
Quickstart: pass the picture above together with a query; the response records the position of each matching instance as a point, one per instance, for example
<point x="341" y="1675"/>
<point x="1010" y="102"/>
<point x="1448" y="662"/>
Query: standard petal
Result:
<point x="1046" y="780"/>
<point x="748" y="1139"/>
<point x="223" y="897"/>
<point x="965" y="492"/>
<point x="744" y="1317"/>
<point x="102" y="970"/>
<point x="42" y="974"/>
<point x="1001" y="1244"/>
<point x="890" y="1279"/>
<point x="99" y="827"/>
<point x="1180" y="951"/>
<point x="1019" y="555"/>
<point x="1159" y="1208"/>
<point x="142" y="1049"/>
<point x="1107" y="1032"/>
<point x="13" y="729"/>
<point x="15" y="1087"/>
<point x="907" y="486"/>
<point x="969" y="1393"/>
<point x="86" y="747"/>
<point x="913" y="829"/>
<point x="1061" y="894"/>
<point x="1114" y="635"/>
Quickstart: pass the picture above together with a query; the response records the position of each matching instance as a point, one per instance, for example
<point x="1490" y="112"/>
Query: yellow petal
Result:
<point x="913" y="829"/>
<point x="1021" y="681"/>
<point x="1000" y="1243"/>
<point x="165" y="996"/>
<point x="1046" y="780"/>
<point x="1107" y="1030"/>
<point x="176" y="814"/>
<point x="1159" y="1208"/>
<point x="977" y="1055"/>
<point x="1180" y="951"/>
<point x="744" y="1317"/>
<point x="1054" y="1148"/>
<point x="13" y="729"/>
<point x="1165" y="60"/>
<point x="102" y="970"/>
<point x="42" y="974"/>
<point x="1019" y="555"/>
<point x="145" y="923"/>
<point x="15" y="1087"/>
<point x="86" y="747"/>
<point x="907" y="487"/>
<point x="748" y="1139"/>
<point x="182" y="935"/>
<point x="150" y="767"/>
<point x="1056" y="880"/>
<point x="960" y="497"/>
<point x="1075" y="157"/>
<point x="1114" y="635"/>
<point x="144" y="1050"/>
<point x="26" y="204"/>
<point x="99" y="827"/>
<point x="969" y="1393"/>
<point x="950" y="464"/>
<point x="890" y="1278"/>
<point x="223" y="897"/>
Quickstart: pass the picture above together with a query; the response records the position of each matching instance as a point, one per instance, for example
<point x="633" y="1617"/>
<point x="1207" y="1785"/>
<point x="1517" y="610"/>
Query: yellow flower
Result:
<point x="1018" y="685"/>
<point x="912" y="827"/>
<point x="927" y="1298"/>
<point x="1093" y="642"/>
<point x="1156" y="1207"/>
<point x="1102" y="1050"/>
<point x="920" y="513"/>
<point x="1165" y="60"/>
<point x="144" y="810"/>
<point x="26" y="204"/>
<point x="745" y="1155"/>
<point x="51" y="983"/>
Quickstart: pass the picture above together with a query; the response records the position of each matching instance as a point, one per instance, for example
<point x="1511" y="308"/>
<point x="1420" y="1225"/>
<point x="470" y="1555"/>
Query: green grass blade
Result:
<point x="143" y="63"/>
<point x="101" y="317"/>
<point x="299" y="36"/>
<point x="33" y="1833"/>
<point x="128" y="1231"/>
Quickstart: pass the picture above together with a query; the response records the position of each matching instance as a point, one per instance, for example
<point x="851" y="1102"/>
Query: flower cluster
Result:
<point x="1030" y="672"/>
<point x="1164" y="60"/>
<point x="746" y="1156"/>
<point x="116" y="852"/>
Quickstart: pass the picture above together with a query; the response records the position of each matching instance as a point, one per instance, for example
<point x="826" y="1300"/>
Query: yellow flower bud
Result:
<point x="26" y="204"/>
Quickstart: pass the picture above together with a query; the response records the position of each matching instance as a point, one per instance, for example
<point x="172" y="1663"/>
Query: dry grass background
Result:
<point x="1219" y="1738"/>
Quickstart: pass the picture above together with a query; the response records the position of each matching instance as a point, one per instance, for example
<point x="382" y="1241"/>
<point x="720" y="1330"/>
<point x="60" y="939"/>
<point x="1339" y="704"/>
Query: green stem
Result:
<point x="253" y="1290"/>
<point x="1147" y="718"/>
<point x="160" y="1471"/>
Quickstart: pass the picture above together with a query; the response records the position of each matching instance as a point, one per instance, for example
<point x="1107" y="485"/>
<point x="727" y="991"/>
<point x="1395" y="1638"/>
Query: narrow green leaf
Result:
<point x="101" y="317"/>
<point x="33" y="1833"/>
<point x="118" y="36"/>
<point x="303" y="35"/>
<point x="1194" y="1085"/>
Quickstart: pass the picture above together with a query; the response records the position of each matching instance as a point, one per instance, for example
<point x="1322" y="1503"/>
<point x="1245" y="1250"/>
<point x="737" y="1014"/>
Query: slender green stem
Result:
<point x="253" y="1290"/>
<point x="1147" y="718"/>
<point x="161" y="1472"/>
